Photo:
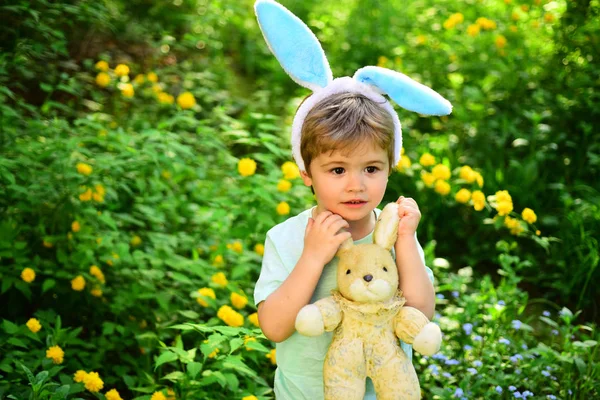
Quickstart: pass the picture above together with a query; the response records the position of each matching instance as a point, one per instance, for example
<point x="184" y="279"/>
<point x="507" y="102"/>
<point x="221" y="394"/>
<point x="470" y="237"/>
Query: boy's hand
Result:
<point x="323" y="237"/>
<point x="409" y="214"/>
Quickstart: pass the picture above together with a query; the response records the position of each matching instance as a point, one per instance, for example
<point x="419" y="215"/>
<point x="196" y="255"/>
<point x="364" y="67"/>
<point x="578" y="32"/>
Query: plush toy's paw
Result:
<point x="309" y="321"/>
<point x="428" y="341"/>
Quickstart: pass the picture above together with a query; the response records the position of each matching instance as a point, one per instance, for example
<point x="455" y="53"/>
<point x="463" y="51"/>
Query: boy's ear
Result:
<point x="306" y="178"/>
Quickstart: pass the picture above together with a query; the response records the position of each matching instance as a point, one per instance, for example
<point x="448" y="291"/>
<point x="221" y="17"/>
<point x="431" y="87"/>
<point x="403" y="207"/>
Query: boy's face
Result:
<point x="339" y="178"/>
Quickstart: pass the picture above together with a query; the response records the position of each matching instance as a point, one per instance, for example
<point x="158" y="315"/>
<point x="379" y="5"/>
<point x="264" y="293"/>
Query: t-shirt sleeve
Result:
<point x="272" y="272"/>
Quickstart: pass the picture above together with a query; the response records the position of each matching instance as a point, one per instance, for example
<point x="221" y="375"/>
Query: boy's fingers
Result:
<point x="343" y="236"/>
<point x="322" y="216"/>
<point x="337" y="225"/>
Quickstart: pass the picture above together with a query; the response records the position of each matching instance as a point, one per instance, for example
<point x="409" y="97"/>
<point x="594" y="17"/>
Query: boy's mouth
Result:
<point x="356" y="202"/>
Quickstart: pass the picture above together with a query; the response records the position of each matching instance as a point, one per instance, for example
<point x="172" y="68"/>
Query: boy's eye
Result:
<point x="338" y="170"/>
<point x="372" y="170"/>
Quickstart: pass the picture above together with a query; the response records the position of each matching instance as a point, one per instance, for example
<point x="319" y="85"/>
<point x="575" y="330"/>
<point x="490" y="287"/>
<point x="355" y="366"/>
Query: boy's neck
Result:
<point x="358" y="229"/>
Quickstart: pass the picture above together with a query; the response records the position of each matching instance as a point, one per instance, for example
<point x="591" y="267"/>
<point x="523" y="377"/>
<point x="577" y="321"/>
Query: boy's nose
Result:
<point x="368" y="278"/>
<point x="356" y="183"/>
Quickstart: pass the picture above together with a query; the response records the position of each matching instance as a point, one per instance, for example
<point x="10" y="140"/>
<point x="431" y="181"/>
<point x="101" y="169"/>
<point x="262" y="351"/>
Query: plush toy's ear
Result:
<point x="294" y="45"/>
<point x="409" y="94"/>
<point x="345" y="246"/>
<point x="386" y="227"/>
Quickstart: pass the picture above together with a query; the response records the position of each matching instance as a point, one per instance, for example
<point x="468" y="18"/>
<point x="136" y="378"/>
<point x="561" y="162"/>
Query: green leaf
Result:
<point x="550" y="322"/>
<point x="9" y="327"/>
<point x="174" y="376"/>
<point x="17" y="342"/>
<point x="193" y="369"/>
<point x="47" y="285"/>
<point x="235" y="344"/>
<point x="165" y="358"/>
<point x="41" y="377"/>
<point x="189" y="314"/>
<point x="236" y="363"/>
<point x="227" y="330"/>
<point x="61" y="393"/>
<point x="580" y="364"/>
<point x="28" y="373"/>
<point x="6" y="284"/>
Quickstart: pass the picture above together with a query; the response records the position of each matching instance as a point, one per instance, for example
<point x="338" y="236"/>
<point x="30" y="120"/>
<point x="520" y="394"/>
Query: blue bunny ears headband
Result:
<point x="300" y="54"/>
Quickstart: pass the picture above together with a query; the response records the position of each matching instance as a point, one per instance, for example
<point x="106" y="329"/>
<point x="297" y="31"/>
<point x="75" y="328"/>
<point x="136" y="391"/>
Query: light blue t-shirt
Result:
<point x="299" y="374"/>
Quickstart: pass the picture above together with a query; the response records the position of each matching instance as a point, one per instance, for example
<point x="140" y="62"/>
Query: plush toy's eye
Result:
<point x="385" y="269"/>
<point x="348" y="272"/>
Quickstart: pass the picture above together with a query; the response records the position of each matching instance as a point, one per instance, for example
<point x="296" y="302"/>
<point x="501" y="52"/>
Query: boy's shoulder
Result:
<point x="290" y="226"/>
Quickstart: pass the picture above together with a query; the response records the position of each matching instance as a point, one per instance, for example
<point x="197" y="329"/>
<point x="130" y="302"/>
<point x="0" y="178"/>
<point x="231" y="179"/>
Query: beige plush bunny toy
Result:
<point x="368" y="316"/>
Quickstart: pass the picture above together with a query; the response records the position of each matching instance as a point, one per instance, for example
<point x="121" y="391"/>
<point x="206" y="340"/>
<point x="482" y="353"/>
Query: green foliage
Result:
<point x="135" y="191"/>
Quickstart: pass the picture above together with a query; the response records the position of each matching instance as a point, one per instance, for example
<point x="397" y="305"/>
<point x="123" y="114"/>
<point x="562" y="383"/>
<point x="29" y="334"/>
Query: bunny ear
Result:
<point x="294" y="45"/>
<point x="407" y="93"/>
<point x="386" y="227"/>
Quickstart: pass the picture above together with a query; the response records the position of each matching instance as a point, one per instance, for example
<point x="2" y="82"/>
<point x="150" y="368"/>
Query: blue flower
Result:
<point x="546" y="373"/>
<point x="477" y="363"/>
<point x="501" y="303"/>
<point x="524" y="346"/>
<point x="504" y="341"/>
<point x="554" y="332"/>
<point x="440" y="296"/>
<point x="434" y="369"/>
<point x="512" y="388"/>
<point x="458" y="392"/>
<point x="526" y="394"/>
<point x="498" y="389"/>
<point x="517" y="395"/>
<point x="516" y="358"/>
<point x="546" y="314"/>
<point x="467" y="347"/>
<point x="551" y="397"/>
<point x="518" y="372"/>
<point x="477" y="338"/>
<point x="468" y="328"/>
<point x="439" y="356"/>
<point x="455" y="293"/>
<point x="447" y="375"/>
<point x="452" y="362"/>
<point x="516" y="324"/>
<point x="472" y="370"/>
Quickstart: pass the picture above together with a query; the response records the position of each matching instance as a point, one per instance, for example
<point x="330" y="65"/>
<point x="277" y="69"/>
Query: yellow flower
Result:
<point x="112" y="394"/>
<point x="549" y="17"/>
<point x="283" y="208"/>
<point x="290" y="170"/>
<point x="47" y="244"/>
<point x="34" y="325"/>
<point x="99" y="240"/>
<point x="463" y="196"/>
<point x="486" y="23"/>
<point x="428" y="178"/>
<point x="139" y="79"/>
<point x="102" y="79"/>
<point x="467" y="174"/>
<point x="92" y="382"/>
<point x="84" y="169"/>
<point x="442" y="187"/>
<point x="524" y="7"/>
<point x="500" y="41"/>
<point x="248" y="339"/>
<point x="441" y="171"/>
<point x="218" y="261"/>
<point x="96" y="292"/>
<point x="166" y="174"/>
<point x="504" y="208"/>
<point x="252" y="397"/>
<point x="239" y="301"/>
<point x="382" y="61"/>
<point x="529" y="216"/>
<point x="473" y="30"/>
<point x="246" y="166"/>
<point x="219" y="279"/>
<point x="421" y="39"/>
<point x="75" y="226"/>
<point x="537" y="232"/>
<point x="28" y="275"/>
<point x="230" y="316"/>
<point x="121" y="70"/>
<point x="127" y="90"/>
<point x="404" y="163"/>
<point x="513" y="28"/>
<point x="86" y="196"/>
<point x="513" y="224"/>
<point x="503" y="196"/>
<point x="237" y="246"/>
<point x="136" y="241"/>
<point x="78" y="283"/>
<point x="170" y="394"/>
<point x="253" y="318"/>
<point x="214" y="353"/>
<point x="478" y="200"/>
<point x="97" y="272"/>
<point x="479" y="179"/>
<point x="102" y="66"/>
<point x="453" y="20"/>
<point x="165" y="98"/>
<point x="157" y="88"/>
<point x="186" y="100"/>
<point x="158" y="396"/>
<point x="56" y="354"/>
<point x="79" y="376"/>
<point x="427" y="160"/>
<point x="206" y="292"/>
<point x="152" y="77"/>
<point x="284" y="185"/>
<point x="272" y="356"/>
<point x="259" y="248"/>
<point x="515" y="16"/>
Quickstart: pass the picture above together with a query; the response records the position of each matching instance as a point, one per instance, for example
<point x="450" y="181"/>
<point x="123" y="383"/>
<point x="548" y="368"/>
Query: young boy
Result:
<point x="347" y="147"/>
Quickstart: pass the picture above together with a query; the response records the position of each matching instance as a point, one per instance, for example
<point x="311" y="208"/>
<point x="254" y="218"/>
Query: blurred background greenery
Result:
<point x="122" y="129"/>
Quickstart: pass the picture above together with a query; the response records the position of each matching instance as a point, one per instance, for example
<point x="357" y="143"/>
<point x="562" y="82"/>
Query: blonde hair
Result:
<point x="342" y="122"/>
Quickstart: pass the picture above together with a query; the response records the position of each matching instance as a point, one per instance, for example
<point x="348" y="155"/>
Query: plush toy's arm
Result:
<point x="413" y="327"/>
<point x="314" y="319"/>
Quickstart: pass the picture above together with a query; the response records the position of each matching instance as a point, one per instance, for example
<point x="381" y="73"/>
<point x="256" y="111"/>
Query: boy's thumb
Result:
<point x="309" y="225"/>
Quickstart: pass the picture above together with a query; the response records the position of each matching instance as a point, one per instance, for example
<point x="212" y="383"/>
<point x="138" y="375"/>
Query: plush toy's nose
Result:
<point x="368" y="278"/>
